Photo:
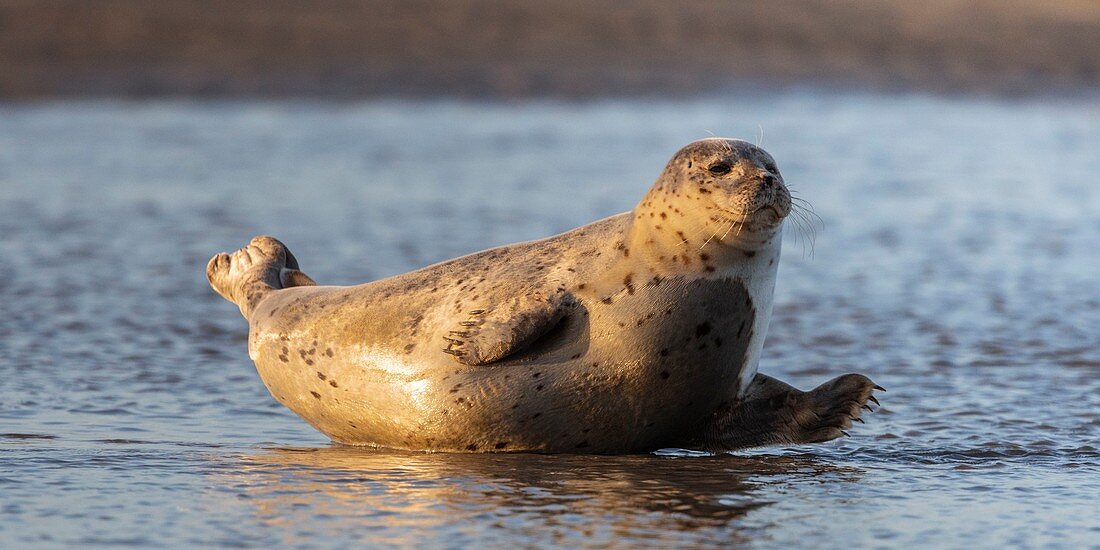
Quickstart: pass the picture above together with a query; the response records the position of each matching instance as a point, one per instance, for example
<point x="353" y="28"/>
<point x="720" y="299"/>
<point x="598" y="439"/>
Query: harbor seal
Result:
<point x="633" y="333"/>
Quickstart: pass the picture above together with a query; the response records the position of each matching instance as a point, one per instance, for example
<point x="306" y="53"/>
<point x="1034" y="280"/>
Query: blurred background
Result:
<point x="948" y="147"/>
<point x="527" y="48"/>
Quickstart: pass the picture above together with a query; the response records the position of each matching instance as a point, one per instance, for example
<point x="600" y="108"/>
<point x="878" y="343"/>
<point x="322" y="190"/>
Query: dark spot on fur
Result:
<point x="709" y="268"/>
<point x="328" y="352"/>
<point x="575" y="356"/>
<point x="702" y="329"/>
<point x="284" y="359"/>
<point x="628" y="281"/>
<point x="409" y="348"/>
<point x="315" y="394"/>
<point x="606" y="300"/>
<point x="580" y="286"/>
<point x="749" y="253"/>
<point x="321" y="375"/>
<point x="664" y="353"/>
<point x="538" y="387"/>
<point x="665" y="375"/>
<point x="501" y="445"/>
<point x="536" y="415"/>
<point x="460" y="400"/>
<point x="582" y="444"/>
<point x="536" y="375"/>
<point x="704" y="256"/>
<point x="664" y="216"/>
<point x="333" y="383"/>
<point x="309" y="361"/>
<point x="285" y="350"/>
<point x="471" y="447"/>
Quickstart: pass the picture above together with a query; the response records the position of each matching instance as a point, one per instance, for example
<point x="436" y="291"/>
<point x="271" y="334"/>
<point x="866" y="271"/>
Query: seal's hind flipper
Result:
<point x="774" y="413"/>
<point x="498" y="331"/>
<point x="293" y="277"/>
<point x="252" y="272"/>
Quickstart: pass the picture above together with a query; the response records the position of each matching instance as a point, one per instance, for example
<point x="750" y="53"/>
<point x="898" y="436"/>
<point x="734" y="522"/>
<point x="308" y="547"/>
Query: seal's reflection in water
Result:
<point x="394" y="497"/>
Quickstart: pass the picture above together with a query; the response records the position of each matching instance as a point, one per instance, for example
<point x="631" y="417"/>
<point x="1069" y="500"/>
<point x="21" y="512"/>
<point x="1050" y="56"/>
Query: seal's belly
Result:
<point x="624" y="373"/>
<point x="684" y="344"/>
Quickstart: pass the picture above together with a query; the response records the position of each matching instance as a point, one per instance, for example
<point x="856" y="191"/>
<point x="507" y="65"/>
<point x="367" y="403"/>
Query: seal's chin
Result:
<point x="771" y="213"/>
<point x="762" y="217"/>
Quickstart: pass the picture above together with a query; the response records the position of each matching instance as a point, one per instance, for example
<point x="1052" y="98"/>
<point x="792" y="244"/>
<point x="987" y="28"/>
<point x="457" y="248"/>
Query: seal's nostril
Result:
<point x="769" y="179"/>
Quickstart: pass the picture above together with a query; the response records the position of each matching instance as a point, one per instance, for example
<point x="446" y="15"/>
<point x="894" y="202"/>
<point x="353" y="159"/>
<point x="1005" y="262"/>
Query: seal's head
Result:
<point x="723" y="191"/>
<point x="738" y="179"/>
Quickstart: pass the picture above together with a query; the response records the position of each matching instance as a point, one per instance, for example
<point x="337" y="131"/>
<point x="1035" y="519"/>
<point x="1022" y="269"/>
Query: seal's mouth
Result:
<point x="772" y="210"/>
<point x="767" y="214"/>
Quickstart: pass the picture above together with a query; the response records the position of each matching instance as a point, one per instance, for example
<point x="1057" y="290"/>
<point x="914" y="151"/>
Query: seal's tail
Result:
<point x="249" y="274"/>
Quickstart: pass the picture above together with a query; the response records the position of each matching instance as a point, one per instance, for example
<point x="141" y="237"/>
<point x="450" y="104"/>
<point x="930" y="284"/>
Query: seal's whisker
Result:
<point x="744" y="218"/>
<point x="804" y="224"/>
<point x="715" y="234"/>
<point x="706" y="242"/>
<point x="728" y="231"/>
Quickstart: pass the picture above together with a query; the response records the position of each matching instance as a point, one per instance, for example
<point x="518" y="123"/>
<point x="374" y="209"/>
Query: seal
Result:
<point x="633" y="333"/>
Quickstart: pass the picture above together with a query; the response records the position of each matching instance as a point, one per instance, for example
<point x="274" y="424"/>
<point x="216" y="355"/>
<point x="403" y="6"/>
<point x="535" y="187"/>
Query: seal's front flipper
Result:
<point x="774" y="413"/>
<point x="493" y="333"/>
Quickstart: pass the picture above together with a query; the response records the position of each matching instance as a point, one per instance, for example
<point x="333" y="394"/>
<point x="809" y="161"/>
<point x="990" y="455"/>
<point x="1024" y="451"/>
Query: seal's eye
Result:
<point x="719" y="168"/>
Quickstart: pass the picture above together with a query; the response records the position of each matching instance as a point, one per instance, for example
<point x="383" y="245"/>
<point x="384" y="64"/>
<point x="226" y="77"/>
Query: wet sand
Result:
<point x="525" y="48"/>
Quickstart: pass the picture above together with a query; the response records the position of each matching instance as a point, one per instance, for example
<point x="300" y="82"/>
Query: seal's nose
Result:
<point x="769" y="180"/>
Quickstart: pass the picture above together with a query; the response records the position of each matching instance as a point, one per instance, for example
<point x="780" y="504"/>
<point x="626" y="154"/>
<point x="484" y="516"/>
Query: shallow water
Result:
<point x="958" y="264"/>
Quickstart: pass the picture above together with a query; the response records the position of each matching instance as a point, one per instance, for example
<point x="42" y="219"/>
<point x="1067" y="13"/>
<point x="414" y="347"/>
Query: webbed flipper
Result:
<point x="775" y="413"/>
<point x="501" y="330"/>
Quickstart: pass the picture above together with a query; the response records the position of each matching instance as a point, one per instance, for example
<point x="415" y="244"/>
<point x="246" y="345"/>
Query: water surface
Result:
<point x="957" y="265"/>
